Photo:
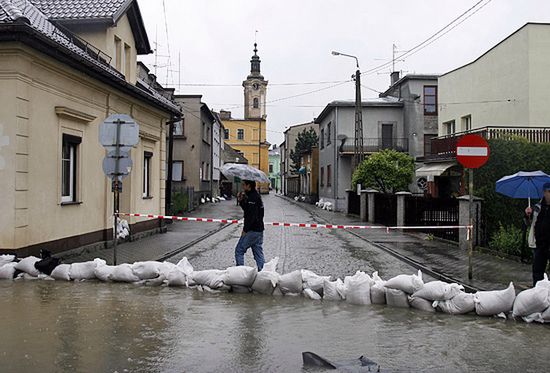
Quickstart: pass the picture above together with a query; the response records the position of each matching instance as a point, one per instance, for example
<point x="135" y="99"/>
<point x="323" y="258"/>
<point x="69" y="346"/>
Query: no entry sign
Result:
<point x="472" y="151"/>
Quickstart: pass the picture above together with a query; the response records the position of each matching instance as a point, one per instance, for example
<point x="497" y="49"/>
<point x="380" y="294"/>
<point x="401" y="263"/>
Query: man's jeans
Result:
<point x="254" y="240"/>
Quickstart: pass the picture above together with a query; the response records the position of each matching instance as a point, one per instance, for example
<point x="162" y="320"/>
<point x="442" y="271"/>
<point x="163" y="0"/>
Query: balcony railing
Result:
<point x="444" y="147"/>
<point x="372" y="145"/>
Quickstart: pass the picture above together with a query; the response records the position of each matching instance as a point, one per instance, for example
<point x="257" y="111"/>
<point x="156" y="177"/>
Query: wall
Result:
<point x="253" y="145"/>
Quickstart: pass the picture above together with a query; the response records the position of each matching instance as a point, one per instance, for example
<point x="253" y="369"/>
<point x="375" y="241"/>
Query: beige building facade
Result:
<point x="55" y="93"/>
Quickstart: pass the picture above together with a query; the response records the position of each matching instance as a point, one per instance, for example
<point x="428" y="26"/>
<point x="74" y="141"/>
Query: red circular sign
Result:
<point x="472" y="151"/>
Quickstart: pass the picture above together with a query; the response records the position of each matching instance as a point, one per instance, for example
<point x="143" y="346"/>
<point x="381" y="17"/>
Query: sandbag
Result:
<point x="331" y="289"/>
<point x="358" y="289"/>
<point x="185" y="266"/>
<point x="240" y="275"/>
<point x="166" y="267"/>
<point x="146" y="270"/>
<point x="291" y="282"/>
<point x="311" y="294"/>
<point x="271" y="266"/>
<point x="421" y="304"/>
<point x="27" y="265"/>
<point x="6" y="258"/>
<point x="239" y="289"/>
<point x="213" y="278"/>
<point x="123" y="273"/>
<point x="313" y="281"/>
<point x="47" y="265"/>
<point x="103" y="272"/>
<point x="490" y="303"/>
<point x="61" y="272"/>
<point x="7" y="271"/>
<point x="531" y="301"/>
<point x="265" y="282"/>
<point x="396" y="298"/>
<point x="277" y="292"/>
<point x="438" y="290"/>
<point x="408" y="284"/>
<point x="82" y="271"/>
<point x="176" y="277"/>
<point x="460" y="304"/>
<point x="378" y="293"/>
<point x="544" y="282"/>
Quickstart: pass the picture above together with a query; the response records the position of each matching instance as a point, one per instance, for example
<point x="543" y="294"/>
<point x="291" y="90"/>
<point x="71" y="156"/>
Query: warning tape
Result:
<point x="303" y="225"/>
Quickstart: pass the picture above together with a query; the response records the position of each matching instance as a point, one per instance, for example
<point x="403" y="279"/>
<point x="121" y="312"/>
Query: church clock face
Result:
<point x="255" y="86"/>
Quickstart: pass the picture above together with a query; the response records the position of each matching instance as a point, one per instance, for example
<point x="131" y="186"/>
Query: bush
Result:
<point x="507" y="240"/>
<point x="180" y="203"/>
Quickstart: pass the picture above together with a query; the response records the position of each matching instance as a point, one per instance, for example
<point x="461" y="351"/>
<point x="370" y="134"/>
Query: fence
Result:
<point x="354" y="203"/>
<point x="423" y="211"/>
<point x="385" y="209"/>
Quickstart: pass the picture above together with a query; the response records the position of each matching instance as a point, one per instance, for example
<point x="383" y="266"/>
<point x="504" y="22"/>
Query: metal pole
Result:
<point x="471" y="230"/>
<point x="168" y="191"/>
<point x="116" y="187"/>
<point x="358" y="148"/>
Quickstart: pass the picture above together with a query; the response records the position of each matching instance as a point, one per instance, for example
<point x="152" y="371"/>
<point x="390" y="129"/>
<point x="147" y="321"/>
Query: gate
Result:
<point x="385" y="209"/>
<point x="354" y="203"/>
<point x="423" y="211"/>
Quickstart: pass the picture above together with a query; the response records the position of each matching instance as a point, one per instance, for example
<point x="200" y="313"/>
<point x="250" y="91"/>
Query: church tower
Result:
<point x="255" y="89"/>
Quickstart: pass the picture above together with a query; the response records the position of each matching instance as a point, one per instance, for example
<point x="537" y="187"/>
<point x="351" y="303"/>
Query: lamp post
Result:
<point x="358" y="153"/>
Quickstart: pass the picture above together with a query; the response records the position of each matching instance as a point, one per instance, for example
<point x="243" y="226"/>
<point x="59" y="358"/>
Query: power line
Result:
<point x="240" y="85"/>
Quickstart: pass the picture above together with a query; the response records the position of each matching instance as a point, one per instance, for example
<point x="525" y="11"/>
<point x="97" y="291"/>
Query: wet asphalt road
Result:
<point x="326" y="252"/>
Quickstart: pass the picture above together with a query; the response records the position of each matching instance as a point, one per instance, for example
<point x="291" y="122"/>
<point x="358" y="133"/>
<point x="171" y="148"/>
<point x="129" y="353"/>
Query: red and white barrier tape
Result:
<point x="303" y="225"/>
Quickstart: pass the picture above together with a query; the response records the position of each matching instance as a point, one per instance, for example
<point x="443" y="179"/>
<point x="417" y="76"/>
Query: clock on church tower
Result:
<point x="255" y="89"/>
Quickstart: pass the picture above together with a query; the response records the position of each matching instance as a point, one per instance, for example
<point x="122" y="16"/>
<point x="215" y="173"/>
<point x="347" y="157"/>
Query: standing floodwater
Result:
<point x="96" y="327"/>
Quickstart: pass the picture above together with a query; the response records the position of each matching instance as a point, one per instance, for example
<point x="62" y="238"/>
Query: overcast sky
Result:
<point x="214" y="41"/>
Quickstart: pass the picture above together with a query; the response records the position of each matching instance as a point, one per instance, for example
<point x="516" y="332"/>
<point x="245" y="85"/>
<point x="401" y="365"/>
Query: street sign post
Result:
<point x="118" y="134"/>
<point x="472" y="151"/>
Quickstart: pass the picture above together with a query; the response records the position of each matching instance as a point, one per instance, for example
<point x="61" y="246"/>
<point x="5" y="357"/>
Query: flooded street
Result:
<point x="94" y="327"/>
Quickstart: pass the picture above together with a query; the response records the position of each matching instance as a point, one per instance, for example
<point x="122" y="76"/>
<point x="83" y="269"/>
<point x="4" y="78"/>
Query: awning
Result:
<point x="434" y="169"/>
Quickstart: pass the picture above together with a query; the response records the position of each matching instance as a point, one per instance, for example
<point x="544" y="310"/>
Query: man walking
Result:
<point x="539" y="234"/>
<point x="253" y="231"/>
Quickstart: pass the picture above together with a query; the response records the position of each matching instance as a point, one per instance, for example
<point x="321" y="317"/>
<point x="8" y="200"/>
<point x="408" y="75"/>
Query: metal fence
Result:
<point x="385" y="206"/>
<point x="425" y="211"/>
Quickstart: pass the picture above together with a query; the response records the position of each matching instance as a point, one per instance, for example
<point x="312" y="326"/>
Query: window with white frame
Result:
<point x="147" y="174"/>
<point x="177" y="170"/>
<point x="69" y="154"/>
<point x="449" y="127"/>
<point x="179" y="128"/>
<point x="467" y="123"/>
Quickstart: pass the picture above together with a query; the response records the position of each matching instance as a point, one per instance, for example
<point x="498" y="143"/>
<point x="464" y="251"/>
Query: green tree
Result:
<point x="388" y="171"/>
<point x="305" y="141"/>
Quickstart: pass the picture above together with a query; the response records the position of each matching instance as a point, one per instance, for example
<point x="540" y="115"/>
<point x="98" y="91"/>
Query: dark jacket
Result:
<point x="539" y="233"/>
<point x="253" y="208"/>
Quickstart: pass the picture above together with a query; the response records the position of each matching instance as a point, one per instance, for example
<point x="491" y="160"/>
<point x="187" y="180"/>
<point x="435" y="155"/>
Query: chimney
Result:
<point x="394" y="77"/>
<point x="225" y="115"/>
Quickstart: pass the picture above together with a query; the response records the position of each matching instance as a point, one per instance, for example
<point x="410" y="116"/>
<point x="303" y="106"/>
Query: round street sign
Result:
<point x="128" y="136"/>
<point x="124" y="166"/>
<point x="472" y="151"/>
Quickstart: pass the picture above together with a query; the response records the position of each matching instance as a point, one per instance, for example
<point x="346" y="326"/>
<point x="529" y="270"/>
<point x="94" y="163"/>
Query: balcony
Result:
<point x="373" y="145"/>
<point x="444" y="147"/>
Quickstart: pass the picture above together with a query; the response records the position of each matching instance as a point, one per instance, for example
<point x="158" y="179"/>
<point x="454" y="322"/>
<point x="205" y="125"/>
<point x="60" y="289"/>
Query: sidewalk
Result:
<point x="489" y="272"/>
<point x="179" y="235"/>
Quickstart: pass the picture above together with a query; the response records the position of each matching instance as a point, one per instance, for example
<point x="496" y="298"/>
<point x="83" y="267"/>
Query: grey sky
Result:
<point x="215" y="40"/>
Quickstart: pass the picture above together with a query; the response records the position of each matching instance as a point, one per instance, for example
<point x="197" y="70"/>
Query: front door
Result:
<point x="387" y="136"/>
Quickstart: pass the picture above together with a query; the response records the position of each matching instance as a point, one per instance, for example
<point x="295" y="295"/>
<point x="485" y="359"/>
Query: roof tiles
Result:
<point x="79" y="9"/>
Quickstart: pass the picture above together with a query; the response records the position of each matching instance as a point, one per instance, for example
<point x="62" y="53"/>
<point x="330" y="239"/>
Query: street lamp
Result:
<point x="358" y="153"/>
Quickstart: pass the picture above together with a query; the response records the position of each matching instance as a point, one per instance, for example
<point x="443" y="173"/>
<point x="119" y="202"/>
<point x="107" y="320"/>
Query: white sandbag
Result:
<point x="408" y="284"/>
<point x="271" y="266"/>
<point x="166" y="267"/>
<point x="330" y="289"/>
<point x="6" y="258"/>
<point x="291" y="282"/>
<point x="531" y="301"/>
<point x="534" y="317"/>
<point x="421" y="304"/>
<point x="146" y="270"/>
<point x="7" y="271"/>
<point x="460" y="304"/>
<point x="544" y="282"/>
<point x="438" y="290"/>
<point x="176" y="278"/>
<point x="123" y="273"/>
<point x="241" y="275"/>
<point x="265" y="282"/>
<point x="358" y="288"/>
<point x="490" y="303"/>
<point x="378" y="293"/>
<point x="83" y="271"/>
<point x="26" y="276"/>
<point x="185" y="266"/>
<point x="311" y="294"/>
<point x="239" y="289"/>
<point x="396" y="298"/>
<point x="27" y="265"/>
<point x="213" y="278"/>
<point x="61" y="272"/>
<point x="277" y="292"/>
<point x="103" y="272"/>
<point x="313" y="281"/>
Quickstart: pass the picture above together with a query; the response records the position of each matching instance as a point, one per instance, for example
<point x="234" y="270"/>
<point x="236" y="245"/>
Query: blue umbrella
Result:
<point x="523" y="185"/>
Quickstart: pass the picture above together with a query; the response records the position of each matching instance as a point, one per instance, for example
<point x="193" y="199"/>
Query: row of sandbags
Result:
<point x="362" y="289"/>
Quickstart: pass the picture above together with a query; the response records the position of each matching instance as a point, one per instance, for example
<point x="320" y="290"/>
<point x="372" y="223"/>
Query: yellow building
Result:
<point x="248" y="135"/>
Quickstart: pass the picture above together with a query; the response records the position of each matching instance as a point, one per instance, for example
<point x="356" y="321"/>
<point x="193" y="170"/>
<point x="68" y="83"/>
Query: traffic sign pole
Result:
<point x="471" y="235"/>
<point x="116" y="195"/>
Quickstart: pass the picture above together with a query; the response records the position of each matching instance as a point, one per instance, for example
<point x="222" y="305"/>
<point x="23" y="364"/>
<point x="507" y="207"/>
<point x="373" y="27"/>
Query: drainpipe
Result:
<point x="168" y="191"/>
<point x="336" y="158"/>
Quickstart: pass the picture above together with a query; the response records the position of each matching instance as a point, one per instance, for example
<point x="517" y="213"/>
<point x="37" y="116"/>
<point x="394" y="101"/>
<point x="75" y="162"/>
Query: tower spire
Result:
<point x="255" y="62"/>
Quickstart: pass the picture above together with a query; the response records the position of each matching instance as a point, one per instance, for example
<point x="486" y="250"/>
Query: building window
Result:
<point x="428" y="144"/>
<point x="322" y="176"/>
<point x="430" y="100"/>
<point x="147" y="174"/>
<point x="328" y="134"/>
<point x="449" y="127"/>
<point x="271" y="168"/>
<point x="127" y="61"/>
<point x="329" y="175"/>
<point x="117" y="60"/>
<point x="240" y="134"/>
<point x="467" y="123"/>
<point x="69" y="154"/>
<point x="256" y="103"/>
<point x="177" y="171"/>
<point x="226" y="134"/>
<point x="179" y="128"/>
<point x="322" y="138"/>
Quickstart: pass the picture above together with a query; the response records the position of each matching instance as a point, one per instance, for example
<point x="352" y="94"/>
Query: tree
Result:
<point x="305" y="141"/>
<point x="388" y="171"/>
